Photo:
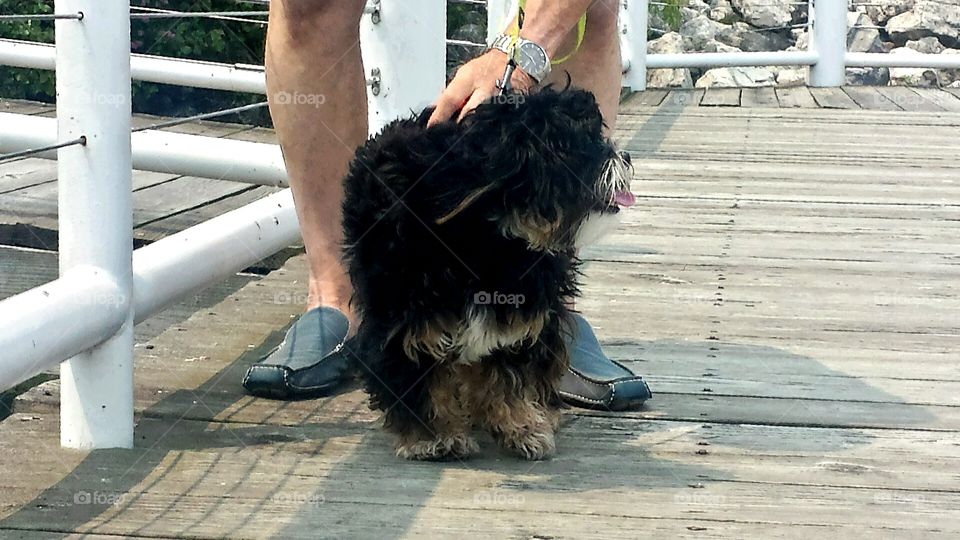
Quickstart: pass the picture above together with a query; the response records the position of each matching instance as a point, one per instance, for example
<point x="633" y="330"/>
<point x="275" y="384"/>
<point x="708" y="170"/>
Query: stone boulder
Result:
<point x="868" y="76"/>
<point x="927" y="45"/>
<point x="792" y="76"/>
<point x="722" y="11"/>
<point x="861" y="37"/>
<point x="764" y="13"/>
<point x="947" y="77"/>
<point x="732" y="77"/>
<point x="882" y="11"/>
<point x="693" y="9"/>
<point x="670" y="43"/>
<point x="911" y="76"/>
<point x="928" y="18"/>
<point x="700" y="30"/>
<point x="744" y="37"/>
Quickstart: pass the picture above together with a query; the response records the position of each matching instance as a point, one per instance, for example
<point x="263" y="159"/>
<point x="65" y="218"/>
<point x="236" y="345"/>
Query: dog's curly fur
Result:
<point x="437" y="220"/>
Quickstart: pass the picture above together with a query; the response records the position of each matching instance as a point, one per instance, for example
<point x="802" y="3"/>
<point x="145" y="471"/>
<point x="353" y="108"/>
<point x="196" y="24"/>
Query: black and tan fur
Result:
<point x="435" y="218"/>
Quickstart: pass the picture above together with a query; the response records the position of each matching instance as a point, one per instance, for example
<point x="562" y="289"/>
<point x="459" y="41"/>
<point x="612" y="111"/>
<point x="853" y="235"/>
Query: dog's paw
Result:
<point x="531" y="445"/>
<point x="440" y="449"/>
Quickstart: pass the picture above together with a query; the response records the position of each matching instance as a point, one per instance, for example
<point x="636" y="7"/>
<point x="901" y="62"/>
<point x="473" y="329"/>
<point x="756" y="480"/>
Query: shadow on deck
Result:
<point x="788" y="285"/>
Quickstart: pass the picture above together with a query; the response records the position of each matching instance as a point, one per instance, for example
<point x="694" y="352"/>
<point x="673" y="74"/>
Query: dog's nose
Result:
<point x="625" y="156"/>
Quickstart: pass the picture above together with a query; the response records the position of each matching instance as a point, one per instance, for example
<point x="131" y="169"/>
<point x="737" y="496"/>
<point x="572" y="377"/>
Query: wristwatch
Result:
<point x="530" y="57"/>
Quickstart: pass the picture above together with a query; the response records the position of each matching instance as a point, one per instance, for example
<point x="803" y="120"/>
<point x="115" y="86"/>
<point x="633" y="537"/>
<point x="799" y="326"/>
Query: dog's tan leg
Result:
<point x="515" y="406"/>
<point x="447" y="423"/>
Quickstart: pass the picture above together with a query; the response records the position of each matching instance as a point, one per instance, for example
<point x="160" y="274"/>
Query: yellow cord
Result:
<point x="581" y="30"/>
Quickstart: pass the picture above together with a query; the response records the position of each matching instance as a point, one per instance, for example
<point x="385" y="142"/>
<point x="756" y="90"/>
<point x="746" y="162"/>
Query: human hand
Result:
<point x="475" y="82"/>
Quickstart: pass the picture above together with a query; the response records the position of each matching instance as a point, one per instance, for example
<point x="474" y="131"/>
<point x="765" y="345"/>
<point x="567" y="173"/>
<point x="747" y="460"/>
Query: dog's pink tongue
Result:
<point x="624" y="198"/>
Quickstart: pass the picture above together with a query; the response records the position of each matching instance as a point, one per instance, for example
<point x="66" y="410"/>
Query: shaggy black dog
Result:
<point x="460" y="240"/>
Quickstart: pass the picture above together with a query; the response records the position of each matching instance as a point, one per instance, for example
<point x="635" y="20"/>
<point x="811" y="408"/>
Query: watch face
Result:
<point x="532" y="59"/>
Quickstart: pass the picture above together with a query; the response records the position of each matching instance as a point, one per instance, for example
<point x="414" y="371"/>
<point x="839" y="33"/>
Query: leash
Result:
<point x="503" y="84"/>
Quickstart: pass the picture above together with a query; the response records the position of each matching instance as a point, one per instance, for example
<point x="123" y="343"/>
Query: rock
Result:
<point x="722" y="11"/>
<point x="656" y="26"/>
<point x="698" y="31"/>
<point x="793" y="76"/>
<point x="949" y="76"/>
<point x="928" y="18"/>
<point x="736" y="76"/>
<point x="868" y="76"/>
<point x="801" y="43"/>
<point x="860" y="37"/>
<point x="714" y="46"/>
<point x="692" y="10"/>
<point x="927" y="45"/>
<point x="670" y="43"/>
<point x="882" y="11"/>
<point x="764" y="13"/>
<point x="911" y="76"/>
<point x="744" y="37"/>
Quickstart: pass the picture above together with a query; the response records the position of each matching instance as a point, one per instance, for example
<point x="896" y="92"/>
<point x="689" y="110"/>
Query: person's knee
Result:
<point x="306" y="20"/>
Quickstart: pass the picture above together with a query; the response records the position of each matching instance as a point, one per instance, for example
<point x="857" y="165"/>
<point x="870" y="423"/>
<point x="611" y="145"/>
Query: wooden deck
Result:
<point x="789" y="284"/>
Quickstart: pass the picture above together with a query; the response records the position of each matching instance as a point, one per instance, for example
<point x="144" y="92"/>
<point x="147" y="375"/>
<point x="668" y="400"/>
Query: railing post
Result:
<point x="633" y="43"/>
<point x="404" y="56"/>
<point x="828" y="37"/>
<point x="95" y="207"/>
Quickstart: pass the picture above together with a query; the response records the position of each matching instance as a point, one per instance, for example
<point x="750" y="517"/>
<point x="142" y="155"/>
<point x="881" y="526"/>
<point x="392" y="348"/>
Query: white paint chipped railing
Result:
<point x="85" y="318"/>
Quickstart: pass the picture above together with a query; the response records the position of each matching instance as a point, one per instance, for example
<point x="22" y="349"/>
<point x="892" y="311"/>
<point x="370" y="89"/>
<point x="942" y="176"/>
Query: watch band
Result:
<point x="503" y="43"/>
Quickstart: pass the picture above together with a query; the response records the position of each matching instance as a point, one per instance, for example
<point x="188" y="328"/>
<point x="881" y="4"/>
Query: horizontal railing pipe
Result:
<point x="742" y="59"/>
<point x="163" y="151"/>
<point x="158" y="69"/>
<point x="179" y="265"/>
<point x="46" y="325"/>
<point x="918" y="60"/>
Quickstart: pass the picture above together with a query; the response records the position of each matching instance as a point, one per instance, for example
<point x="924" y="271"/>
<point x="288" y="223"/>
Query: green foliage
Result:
<point x="194" y="38"/>
<point x="669" y="12"/>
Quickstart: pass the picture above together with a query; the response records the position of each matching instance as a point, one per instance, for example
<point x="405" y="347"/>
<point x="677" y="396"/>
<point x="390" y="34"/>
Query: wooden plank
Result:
<point x="156" y="197"/>
<point x="683" y="98"/>
<point x="25" y="173"/>
<point x="868" y="97"/>
<point x="721" y="97"/>
<point x="908" y="100"/>
<point x="833" y="98"/>
<point x="153" y="230"/>
<point x="652" y="97"/>
<point x="646" y="98"/>
<point x="795" y="96"/>
<point x="19" y="106"/>
<point x="943" y="99"/>
<point x="764" y="96"/>
<point x="704" y="473"/>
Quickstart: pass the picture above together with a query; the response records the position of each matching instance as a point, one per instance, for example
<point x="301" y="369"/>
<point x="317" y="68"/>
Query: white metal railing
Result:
<point x="85" y="318"/>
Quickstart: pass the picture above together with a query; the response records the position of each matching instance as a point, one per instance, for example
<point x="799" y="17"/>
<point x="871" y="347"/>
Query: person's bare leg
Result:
<point x="596" y="66"/>
<point x="317" y="94"/>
